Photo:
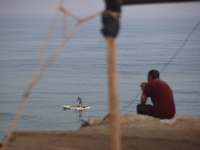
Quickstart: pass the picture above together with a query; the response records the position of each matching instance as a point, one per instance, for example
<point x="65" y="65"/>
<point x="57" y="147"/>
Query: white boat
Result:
<point x="72" y="107"/>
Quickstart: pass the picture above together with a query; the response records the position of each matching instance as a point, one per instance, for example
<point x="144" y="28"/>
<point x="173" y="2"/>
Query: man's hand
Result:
<point x="142" y="85"/>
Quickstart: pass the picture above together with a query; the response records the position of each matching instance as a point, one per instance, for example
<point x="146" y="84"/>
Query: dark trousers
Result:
<point x="143" y="109"/>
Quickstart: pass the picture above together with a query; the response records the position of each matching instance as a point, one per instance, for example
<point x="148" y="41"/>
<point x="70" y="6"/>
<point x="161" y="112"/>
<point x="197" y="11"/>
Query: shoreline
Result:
<point x="137" y="132"/>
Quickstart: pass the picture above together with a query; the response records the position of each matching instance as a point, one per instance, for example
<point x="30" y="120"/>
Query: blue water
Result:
<point x="80" y="69"/>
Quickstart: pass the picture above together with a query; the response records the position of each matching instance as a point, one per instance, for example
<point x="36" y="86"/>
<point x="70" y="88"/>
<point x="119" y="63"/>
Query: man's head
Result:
<point x="153" y="74"/>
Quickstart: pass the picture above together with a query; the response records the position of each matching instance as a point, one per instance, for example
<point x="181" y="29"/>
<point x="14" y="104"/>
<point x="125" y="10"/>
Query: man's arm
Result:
<point x="143" y="99"/>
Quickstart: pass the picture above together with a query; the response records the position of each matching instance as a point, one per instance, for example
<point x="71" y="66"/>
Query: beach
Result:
<point x="137" y="132"/>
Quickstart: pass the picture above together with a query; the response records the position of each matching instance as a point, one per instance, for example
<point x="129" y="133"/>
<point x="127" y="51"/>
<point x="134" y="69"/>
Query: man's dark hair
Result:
<point x="154" y="73"/>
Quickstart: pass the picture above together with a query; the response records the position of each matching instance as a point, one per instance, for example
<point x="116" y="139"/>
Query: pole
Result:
<point x="113" y="93"/>
<point x="111" y="26"/>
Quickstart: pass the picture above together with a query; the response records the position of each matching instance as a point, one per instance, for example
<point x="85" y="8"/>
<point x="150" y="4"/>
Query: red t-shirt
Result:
<point x="161" y="97"/>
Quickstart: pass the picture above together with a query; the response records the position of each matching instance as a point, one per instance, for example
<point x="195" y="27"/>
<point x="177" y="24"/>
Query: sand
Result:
<point x="137" y="132"/>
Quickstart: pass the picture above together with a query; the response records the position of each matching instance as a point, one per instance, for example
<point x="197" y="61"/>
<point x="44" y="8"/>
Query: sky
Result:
<point x="87" y="7"/>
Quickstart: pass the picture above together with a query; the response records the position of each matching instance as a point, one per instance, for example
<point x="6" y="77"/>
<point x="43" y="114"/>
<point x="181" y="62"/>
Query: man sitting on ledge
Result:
<point x="161" y="96"/>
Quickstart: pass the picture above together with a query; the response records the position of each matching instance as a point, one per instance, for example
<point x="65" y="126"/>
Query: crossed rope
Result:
<point x="39" y="71"/>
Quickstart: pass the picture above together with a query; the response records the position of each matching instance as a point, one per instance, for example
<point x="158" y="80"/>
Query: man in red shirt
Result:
<point x="161" y="96"/>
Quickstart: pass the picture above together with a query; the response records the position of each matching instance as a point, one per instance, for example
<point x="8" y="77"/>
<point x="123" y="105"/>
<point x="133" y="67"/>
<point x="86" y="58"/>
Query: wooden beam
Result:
<point x="134" y="2"/>
<point x="113" y="94"/>
<point x="110" y="20"/>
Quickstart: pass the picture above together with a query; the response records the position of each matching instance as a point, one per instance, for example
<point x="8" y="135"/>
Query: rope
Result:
<point x="64" y="25"/>
<point x="181" y="47"/>
<point x="125" y="107"/>
<point x="32" y="82"/>
<point x="167" y="64"/>
<point x="37" y="75"/>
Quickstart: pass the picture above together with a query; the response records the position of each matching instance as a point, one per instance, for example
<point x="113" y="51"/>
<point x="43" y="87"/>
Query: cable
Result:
<point x="181" y="47"/>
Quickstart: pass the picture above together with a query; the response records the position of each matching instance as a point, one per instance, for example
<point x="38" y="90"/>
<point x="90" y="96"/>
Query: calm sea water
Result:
<point x="80" y="69"/>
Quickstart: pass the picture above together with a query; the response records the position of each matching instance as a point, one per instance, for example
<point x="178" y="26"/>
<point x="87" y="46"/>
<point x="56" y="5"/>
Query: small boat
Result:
<point x="72" y="107"/>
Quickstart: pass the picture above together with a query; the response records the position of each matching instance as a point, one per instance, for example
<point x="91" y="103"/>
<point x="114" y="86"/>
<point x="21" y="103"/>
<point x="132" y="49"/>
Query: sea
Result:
<point x="80" y="69"/>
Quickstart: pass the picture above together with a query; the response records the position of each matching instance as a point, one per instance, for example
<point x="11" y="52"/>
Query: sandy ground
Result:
<point x="137" y="132"/>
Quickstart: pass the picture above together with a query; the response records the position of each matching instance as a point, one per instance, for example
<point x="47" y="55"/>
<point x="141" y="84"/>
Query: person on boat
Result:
<point x="161" y="96"/>
<point x="80" y="101"/>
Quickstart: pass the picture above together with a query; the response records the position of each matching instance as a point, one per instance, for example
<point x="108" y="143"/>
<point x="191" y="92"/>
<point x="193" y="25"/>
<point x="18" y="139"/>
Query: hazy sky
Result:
<point x="86" y="7"/>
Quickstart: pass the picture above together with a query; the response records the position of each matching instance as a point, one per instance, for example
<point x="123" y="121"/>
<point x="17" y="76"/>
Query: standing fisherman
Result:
<point x="80" y="101"/>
